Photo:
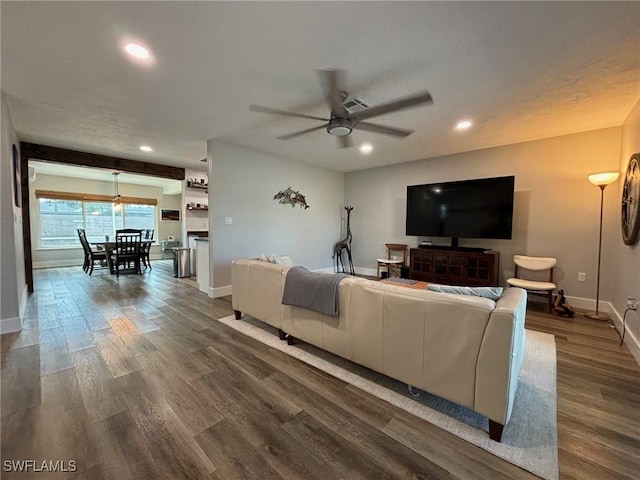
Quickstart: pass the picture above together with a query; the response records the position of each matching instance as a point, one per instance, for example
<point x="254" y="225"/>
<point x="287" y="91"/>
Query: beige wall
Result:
<point x="12" y="278"/>
<point x="73" y="256"/>
<point x="624" y="274"/>
<point x="556" y="208"/>
<point x="244" y="182"/>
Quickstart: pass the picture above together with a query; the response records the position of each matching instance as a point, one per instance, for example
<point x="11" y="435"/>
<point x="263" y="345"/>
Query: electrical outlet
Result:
<point x="631" y="303"/>
<point x="582" y="277"/>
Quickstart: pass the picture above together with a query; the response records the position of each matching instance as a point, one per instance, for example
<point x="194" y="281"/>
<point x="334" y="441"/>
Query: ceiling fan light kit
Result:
<point x="339" y="127"/>
<point x="346" y="114"/>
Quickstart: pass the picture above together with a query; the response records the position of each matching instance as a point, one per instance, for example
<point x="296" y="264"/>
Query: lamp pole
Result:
<point x="600" y="180"/>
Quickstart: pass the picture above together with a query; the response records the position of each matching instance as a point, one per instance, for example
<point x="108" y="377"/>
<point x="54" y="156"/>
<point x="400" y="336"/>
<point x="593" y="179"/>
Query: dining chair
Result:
<point x="127" y="251"/>
<point x="90" y="256"/>
<point x="145" y="248"/>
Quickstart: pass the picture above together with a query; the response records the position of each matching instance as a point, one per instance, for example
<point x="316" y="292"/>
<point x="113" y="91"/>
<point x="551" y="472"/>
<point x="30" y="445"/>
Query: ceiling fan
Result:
<point x="342" y="121"/>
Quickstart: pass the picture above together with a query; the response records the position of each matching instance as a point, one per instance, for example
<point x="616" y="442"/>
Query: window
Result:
<point x="59" y="220"/>
<point x="61" y="217"/>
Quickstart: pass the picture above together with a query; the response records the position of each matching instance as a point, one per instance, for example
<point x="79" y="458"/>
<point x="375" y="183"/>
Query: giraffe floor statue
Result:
<point x="344" y="244"/>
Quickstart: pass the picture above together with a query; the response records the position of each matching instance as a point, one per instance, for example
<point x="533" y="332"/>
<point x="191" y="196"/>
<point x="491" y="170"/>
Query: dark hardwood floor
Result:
<point x="134" y="379"/>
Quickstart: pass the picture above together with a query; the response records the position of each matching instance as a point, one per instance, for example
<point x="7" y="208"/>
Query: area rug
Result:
<point x="529" y="440"/>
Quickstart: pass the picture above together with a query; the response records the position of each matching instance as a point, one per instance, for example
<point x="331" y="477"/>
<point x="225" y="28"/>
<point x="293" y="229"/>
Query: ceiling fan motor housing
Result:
<point x="339" y="127"/>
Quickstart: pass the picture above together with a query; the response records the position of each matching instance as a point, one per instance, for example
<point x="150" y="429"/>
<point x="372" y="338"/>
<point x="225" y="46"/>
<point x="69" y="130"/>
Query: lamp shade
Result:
<point x="600" y="179"/>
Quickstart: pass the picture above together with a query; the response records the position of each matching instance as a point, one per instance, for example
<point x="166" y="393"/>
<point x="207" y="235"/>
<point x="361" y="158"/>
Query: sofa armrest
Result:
<point x="256" y="289"/>
<point x="500" y="357"/>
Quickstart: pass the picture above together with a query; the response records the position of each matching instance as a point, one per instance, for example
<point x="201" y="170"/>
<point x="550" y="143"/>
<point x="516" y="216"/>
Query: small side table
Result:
<point x="393" y="266"/>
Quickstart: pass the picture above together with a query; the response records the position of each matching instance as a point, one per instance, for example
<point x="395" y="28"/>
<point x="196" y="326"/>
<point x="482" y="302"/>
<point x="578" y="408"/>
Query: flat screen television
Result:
<point x="481" y="208"/>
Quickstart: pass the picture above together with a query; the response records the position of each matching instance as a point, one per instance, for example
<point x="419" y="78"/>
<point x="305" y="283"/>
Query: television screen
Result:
<point x="481" y="208"/>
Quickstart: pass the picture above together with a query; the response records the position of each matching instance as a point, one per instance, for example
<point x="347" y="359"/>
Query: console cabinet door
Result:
<point x="480" y="269"/>
<point x="452" y="267"/>
<point x="421" y="265"/>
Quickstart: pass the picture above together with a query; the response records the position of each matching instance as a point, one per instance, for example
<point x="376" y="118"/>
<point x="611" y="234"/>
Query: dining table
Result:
<point x="110" y="245"/>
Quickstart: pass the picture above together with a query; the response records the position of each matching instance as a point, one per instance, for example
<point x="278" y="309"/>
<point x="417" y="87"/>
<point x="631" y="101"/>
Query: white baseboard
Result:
<point x="72" y="262"/>
<point x="372" y="272"/>
<point x="589" y="304"/>
<point x="324" y="270"/>
<point x="23" y="302"/>
<point x="77" y="262"/>
<point x="631" y="341"/>
<point x="359" y="271"/>
<point x="220" y="291"/>
<point x="10" y="325"/>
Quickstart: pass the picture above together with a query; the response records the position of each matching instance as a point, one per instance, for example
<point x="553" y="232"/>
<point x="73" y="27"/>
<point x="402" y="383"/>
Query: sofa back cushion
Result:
<point x="419" y="337"/>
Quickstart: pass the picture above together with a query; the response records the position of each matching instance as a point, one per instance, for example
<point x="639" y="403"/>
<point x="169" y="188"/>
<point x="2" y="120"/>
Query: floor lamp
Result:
<point x="600" y="180"/>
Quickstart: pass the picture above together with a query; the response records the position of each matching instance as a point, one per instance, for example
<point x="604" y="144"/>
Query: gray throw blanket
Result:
<point x="315" y="291"/>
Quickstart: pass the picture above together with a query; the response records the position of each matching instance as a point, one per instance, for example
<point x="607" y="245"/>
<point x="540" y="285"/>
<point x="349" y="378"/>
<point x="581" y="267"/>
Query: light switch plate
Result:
<point x="228" y="220"/>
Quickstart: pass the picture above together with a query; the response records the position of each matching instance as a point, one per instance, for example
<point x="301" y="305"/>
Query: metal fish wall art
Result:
<point x="291" y="197"/>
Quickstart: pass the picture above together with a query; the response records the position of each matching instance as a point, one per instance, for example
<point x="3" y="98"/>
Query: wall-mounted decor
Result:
<point x="291" y="197"/>
<point x="169" y="215"/>
<point x="631" y="202"/>
<point x="17" y="190"/>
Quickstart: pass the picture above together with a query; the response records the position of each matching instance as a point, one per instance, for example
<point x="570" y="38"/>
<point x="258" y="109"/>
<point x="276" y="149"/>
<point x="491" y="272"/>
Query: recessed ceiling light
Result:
<point x="366" y="148"/>
<point x="463" y="124"/>
<point x="146" y="148"/>
<point x="137" y="51"/>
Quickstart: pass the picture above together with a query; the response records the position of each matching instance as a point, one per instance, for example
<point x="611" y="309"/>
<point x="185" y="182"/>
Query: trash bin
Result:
<point x="181" y="262"/>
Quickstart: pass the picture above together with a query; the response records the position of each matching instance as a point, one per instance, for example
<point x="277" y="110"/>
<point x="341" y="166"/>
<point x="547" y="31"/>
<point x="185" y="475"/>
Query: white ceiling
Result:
<point x="520" y="71"/>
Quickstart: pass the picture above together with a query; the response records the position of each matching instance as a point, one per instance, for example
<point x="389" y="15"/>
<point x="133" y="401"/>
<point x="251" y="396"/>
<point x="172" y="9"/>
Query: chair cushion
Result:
<point x="534" y="263"/>
<point x="388" y="261"/>
<point x="531" y="284"/>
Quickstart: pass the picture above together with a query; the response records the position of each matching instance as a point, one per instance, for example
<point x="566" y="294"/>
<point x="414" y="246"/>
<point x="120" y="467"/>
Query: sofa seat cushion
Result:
<point x="531" y="284"/>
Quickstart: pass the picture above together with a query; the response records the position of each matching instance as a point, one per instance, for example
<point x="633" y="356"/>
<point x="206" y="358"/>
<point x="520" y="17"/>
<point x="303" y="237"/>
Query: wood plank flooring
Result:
<point x="133" y="378"/>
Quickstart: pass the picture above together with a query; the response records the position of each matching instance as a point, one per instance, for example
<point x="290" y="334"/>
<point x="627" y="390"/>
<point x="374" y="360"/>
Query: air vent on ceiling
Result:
<point x="355" y="104"/>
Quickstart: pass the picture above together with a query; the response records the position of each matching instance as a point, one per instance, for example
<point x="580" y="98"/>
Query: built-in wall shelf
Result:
<point x="200" y="186"/>
<point x="195" y="203"/>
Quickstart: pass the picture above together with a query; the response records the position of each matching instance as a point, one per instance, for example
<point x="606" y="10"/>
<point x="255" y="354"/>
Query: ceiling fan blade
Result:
<point x="345" y="141"/>
<point x="332" y="82"/>
<point x="273" y="111"/>
<point x="372" y="127"/>
<point x="301" y="132"/>
<point x="406" y="102"/>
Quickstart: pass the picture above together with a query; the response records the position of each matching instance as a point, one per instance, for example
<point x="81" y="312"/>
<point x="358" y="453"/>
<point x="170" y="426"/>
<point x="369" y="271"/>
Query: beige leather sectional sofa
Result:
<point x="465" y="349"/>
